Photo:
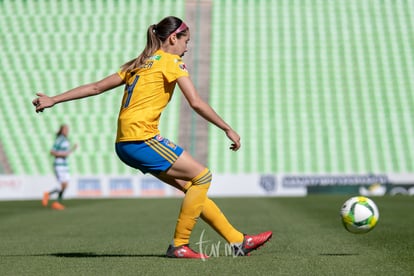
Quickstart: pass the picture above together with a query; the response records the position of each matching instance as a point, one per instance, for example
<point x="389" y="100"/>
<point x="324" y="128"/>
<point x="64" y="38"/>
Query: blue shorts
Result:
<point x="153" y="156"/>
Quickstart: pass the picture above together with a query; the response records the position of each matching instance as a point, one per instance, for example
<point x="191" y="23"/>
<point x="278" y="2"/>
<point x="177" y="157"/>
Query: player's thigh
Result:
<point x="62" y="174"/>
<point x="185" y="168"/>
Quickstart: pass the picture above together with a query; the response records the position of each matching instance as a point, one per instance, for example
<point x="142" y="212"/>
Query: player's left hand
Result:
<point x="232" y="135"/>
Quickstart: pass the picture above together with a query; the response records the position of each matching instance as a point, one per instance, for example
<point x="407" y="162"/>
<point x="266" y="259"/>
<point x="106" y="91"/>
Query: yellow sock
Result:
<point x="191" y="207"/>
<point x="212" y="215"/>
<point x="218" y="221"/>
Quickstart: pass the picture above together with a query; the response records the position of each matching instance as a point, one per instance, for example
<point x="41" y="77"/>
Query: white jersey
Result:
<point x="61" y="144"/>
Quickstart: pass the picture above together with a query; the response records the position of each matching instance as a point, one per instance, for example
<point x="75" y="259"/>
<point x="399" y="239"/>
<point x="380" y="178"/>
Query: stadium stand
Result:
<point x="311" y="86"/>
<point x="52" y="46"/>
<point x="314" y="86"/>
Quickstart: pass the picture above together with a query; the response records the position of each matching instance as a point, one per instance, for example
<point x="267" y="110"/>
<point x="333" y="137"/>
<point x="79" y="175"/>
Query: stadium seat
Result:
<point x="311" y="88"/>
<point x="52" y="46"/>
<point x="308" y="95"/>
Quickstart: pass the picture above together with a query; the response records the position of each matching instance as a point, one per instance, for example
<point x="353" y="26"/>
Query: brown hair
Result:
<point x="156" y="35"/>
<point x="60" y="131"/>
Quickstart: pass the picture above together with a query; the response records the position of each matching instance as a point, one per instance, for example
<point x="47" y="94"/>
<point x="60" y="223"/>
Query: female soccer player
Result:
<point x="149" y="82"/>
<point x="61" y="150"/>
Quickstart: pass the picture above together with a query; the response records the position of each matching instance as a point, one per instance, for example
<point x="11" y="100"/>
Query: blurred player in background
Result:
<point x="149" y="82"/>
<point x="61" y="150"/>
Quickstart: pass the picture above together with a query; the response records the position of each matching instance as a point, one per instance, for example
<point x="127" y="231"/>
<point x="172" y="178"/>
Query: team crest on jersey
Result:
<point x="183" y="67"/>
<point x="159" y="138"/>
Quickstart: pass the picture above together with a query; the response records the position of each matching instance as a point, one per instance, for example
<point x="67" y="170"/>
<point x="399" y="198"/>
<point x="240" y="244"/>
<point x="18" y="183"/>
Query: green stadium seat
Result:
<point x="302" y="90"/>
<point x="323" y="88"/>
<point x="52" y="46"/>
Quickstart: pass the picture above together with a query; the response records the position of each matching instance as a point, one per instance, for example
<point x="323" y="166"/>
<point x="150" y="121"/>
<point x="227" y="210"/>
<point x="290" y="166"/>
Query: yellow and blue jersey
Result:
<point x="147" y="92"/>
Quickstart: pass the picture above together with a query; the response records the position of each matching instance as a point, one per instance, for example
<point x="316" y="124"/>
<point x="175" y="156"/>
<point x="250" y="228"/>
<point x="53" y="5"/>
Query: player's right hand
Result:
<point x="42" y="101"/>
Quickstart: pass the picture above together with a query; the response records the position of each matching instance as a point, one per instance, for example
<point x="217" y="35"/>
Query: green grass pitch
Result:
<point x="130" y="237"/>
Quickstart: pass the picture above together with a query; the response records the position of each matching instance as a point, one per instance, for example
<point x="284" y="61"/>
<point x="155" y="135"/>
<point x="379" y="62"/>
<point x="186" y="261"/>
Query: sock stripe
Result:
<point x="207" y="178"/>
<point x="204" y="177"/>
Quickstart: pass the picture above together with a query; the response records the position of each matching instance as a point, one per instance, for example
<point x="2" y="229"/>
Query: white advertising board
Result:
<point x="14" y="187"/>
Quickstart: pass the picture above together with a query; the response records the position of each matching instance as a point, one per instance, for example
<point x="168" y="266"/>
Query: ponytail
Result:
<point x="153" y="44"/>
<point x="156" y="35"/>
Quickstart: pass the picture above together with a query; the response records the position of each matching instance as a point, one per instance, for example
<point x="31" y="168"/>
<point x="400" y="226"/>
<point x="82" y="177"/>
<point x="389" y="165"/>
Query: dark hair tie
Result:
<point x="154" y="28"/>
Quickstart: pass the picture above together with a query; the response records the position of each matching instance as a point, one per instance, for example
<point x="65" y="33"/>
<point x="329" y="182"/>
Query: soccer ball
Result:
<point x="359" y="214"/>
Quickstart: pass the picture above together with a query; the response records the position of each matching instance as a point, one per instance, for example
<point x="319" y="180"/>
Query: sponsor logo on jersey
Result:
<point x="147" y="65"/>
<point x="156" y="57"/>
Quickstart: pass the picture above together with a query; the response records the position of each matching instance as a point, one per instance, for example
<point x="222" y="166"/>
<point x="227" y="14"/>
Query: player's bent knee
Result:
<point x="205" y="177"/>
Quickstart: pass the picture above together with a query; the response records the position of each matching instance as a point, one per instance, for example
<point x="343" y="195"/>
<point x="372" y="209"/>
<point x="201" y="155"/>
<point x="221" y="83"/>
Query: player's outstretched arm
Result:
<point x="43" y="101"/>
<point x="206" y="111"/>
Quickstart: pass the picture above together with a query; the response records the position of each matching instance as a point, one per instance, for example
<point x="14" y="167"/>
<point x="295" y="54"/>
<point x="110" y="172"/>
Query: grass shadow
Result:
<point x="100" y="255"/>
<point x="338" y="254"/>
<point x="89" y="255"/>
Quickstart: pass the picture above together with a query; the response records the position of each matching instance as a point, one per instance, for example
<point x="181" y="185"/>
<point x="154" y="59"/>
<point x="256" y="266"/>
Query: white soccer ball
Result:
<point x="359" y="215"/>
